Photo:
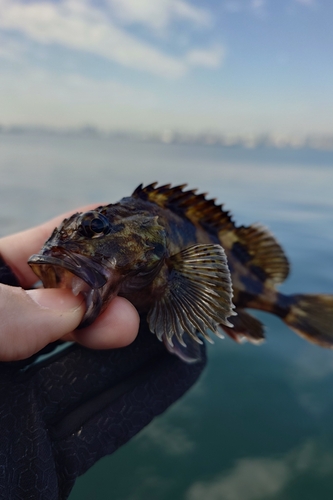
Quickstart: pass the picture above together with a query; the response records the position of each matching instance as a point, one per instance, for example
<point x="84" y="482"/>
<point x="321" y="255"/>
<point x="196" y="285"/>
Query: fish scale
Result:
<point x="181" y="260"/>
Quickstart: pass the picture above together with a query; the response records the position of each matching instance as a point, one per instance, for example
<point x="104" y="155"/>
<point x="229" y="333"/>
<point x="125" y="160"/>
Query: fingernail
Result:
<point x="55" y="298"/>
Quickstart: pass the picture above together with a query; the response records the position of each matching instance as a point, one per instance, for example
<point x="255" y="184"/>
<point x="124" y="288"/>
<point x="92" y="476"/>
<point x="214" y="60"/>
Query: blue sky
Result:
<point x="233" y="66"/>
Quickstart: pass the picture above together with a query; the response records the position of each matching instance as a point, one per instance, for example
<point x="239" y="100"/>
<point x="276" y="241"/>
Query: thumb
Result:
<point x="32" y="319"/>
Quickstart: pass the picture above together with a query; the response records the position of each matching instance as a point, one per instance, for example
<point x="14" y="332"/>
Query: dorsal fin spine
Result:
<point x="194" y="206"/>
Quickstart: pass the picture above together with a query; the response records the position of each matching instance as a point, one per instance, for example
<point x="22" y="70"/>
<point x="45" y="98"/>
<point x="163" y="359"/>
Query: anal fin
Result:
<point x="246" y="327"/>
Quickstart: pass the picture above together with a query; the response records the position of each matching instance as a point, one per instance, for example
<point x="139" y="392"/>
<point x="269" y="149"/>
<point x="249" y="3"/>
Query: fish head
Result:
<point x="95" y="252"/>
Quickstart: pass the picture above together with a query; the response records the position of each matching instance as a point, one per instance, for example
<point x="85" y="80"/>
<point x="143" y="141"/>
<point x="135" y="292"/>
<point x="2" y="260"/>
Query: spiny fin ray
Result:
<point x="260" y="250"/>
<point x="196" y="298"/>
<point x="254" y="245"/>
<point x="188" y="204"/>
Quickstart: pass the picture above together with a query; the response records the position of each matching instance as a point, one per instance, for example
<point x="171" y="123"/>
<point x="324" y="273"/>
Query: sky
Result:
<point x="238" y="67"/>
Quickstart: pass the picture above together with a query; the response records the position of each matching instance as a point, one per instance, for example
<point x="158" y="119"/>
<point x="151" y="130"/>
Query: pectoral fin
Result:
<point x="197" y="297"/>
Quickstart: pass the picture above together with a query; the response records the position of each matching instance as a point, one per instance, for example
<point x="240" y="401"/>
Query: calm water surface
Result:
<point x="259" y="423"/>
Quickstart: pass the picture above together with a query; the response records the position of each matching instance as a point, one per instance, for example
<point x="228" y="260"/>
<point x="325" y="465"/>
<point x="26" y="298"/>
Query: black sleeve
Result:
<point x="67" y="407"/>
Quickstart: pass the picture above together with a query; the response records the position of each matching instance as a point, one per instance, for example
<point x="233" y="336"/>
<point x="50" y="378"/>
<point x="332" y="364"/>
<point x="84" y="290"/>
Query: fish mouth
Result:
<point x="80" y="274"/>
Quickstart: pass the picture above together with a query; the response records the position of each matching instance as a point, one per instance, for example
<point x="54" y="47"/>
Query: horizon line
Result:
<point x="322" y="142"/>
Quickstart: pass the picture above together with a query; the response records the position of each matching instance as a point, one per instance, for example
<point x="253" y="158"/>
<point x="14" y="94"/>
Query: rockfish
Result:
<point x="180" y="259"/>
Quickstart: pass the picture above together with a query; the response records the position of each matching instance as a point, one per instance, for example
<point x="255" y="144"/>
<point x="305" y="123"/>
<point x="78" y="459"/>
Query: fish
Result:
<point x="186" y="266"/>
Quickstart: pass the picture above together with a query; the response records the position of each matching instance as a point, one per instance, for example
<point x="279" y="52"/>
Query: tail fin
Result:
<point x="311" y="316"/>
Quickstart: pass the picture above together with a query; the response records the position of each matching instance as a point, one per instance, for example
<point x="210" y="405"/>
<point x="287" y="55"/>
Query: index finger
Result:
<point x="17" y="248"/>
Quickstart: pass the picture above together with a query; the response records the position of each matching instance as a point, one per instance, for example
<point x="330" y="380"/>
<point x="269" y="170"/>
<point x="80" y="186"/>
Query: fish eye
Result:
<point x="93" y="225"/>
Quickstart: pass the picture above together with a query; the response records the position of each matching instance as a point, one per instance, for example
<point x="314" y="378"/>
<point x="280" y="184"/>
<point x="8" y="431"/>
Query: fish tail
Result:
<point x="311" y="317"/>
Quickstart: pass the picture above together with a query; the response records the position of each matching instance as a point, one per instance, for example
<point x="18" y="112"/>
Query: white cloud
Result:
<point x="64" y="24"/>
<point x="80" y="26"/>
<point x="171" y="439"/>
<point x="263" y="478"/>
<point x="199" y="16"/>
<point x="11" y="50"/>
<point x="37" y="97"/>
<point x="210" y="58"/>
<point x="159" y="14"/>
<point x="251" y="479"/>
<point x="256" y="7"/>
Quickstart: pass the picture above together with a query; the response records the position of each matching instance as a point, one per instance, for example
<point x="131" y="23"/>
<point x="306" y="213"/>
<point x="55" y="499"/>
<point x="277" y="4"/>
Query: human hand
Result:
<point x="61" y="414"/>
<point x="31" y="319"/>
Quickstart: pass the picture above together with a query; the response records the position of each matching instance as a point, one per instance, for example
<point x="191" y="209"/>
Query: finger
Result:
<point x="32" y="319"/>
<point x="116" y="327"/>
<point x="17" y="248"/>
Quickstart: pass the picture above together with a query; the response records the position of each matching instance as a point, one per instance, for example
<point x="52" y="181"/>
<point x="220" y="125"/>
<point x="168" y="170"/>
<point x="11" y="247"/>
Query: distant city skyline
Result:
<point x="231" y="67"/>
<point x="322" y="142"/>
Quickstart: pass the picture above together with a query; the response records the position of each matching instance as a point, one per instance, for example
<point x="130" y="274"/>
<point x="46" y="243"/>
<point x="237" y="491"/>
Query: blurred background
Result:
<point x="235" y="98"/>
<point x="248" y="70"/>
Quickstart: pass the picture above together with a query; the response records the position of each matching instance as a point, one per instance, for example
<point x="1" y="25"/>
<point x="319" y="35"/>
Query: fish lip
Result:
<point x="94" y="306"/>
<point x="93" y="273"/>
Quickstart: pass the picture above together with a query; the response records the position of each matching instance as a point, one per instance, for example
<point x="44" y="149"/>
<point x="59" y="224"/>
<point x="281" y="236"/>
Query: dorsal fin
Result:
<point x="188" y="204"/>
<point x="261" y="250"/>
<point x="254" y="246"/>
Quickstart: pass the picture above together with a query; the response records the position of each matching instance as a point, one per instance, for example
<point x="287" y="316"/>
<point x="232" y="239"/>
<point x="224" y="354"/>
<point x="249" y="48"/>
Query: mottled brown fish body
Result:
<point x="180" y="258"/>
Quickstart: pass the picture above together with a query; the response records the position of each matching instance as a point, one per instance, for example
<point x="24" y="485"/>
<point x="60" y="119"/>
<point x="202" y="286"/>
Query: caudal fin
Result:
<point x="311" y="316"/>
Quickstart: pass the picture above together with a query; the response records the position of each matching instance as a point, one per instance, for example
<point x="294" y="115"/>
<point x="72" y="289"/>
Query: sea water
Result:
<point x="259" y="422"/>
